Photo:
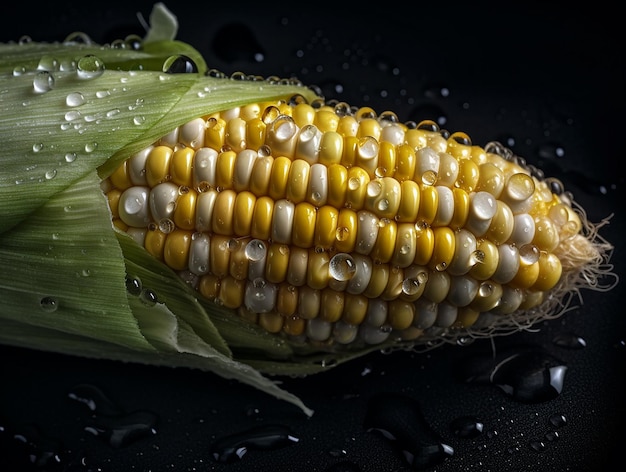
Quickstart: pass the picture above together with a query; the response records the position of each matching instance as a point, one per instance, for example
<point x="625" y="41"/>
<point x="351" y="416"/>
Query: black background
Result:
<point x="547" y="80"/>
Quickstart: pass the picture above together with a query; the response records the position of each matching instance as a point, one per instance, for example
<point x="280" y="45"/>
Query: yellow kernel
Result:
<point x="424" y="245"/>
<point x="279" y="177"/>
<point x="358" y="178"/>
<point x="326" y="120"/>
<point x="277" y="263"/>
<point x="261" y="175"/>
<point x="298" y="181"/>
<point x="185" y="212"/>
<point x="271" y="322"/>
<point x="304" y="225"/>
<point x="400" y="314"/>
<point x="326" y="226"/>
<point x="303" y="114"/>
<point x="331" y="148"/>
<point x="317" y="273"/>
<point x="332" y="305"/>
<point x="209" y="286"/>
<point x="219" y="259"/>
<point x="461" y="208"/>
<point x="345" y="235"/>
<point x="550" y="270"/>
<point x="155" y="242"/>
<point x="245" y="203"/>
<point x="443" y="251"/>
<point x="385" y="244"/>
<point x="309" y="300"/>
<point x="235" y="135"/>
<point x="181" y="166"/>
<point x="214" y="134"/>
<point x="378" y="281"/>
<point x="429" y="203"/>
<point x="158" y="165"/>
<point x="487" y="260"/>
<point x="262" y="216"/>
<point x="468" y="175"/>
<point x="176" y="249"/>
<point x="354" y="309"/>
<point x="287" y="299"/>
<point x="337" y="185"/>
<point x="120" y="178"/>
<point x="222" y="221"/>
<point x="405" y="162"/>
<point x="225" y="169"/>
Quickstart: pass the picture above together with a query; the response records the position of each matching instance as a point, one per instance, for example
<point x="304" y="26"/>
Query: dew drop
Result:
<point x="43" y="81"/>
<point x="49" y="304"/>
<point x="374" y="188"/>
<point x="139" y="120"/>
<point x="70" y="157"/>
<point x="166" y="225"/>
<point x="466" y="427"/>
<point x="179" y="64"/>
<point x="569" y="341"/>
<point x="255" y="250"/>
<point x="148" y="297"/>
<point x="342" y="267"/>
<point x="72" y="115"/>
<point x="89" y="67"/>
<point x="91" y="147"/>
<point x="133" y="286"/>
<point x="19" y="70"/>
<point x="74" y="99"/>
<point x="51" y="174"/>
<point x="234" y="447"/>
<point x="557" y="420"/>
<point x="399" y="418"/>
<point x="37" y="147"/>
<point x="527" y="375"/>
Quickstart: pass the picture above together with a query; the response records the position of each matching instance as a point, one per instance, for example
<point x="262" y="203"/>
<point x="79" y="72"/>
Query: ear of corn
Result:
<point x="250" y="228"/>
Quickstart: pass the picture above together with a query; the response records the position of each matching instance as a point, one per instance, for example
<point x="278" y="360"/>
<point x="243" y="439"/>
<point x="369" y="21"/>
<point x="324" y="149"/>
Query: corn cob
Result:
<point x="333" y="226"/>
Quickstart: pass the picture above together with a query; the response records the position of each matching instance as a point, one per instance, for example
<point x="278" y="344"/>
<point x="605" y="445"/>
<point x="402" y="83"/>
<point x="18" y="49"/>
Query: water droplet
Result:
<point x="342" y="267"/>
<point x="49" y="304"/>
<point x="89" y="67"/>
<point x="148" y="297"/>
<point x="91" y="147"/>
<point x="557" y="420"/>
<point x="399" y="418"/>
<point x="166" y="225"/>
<point x="255" y="250"/>
<point x="43" y="81"/>
<point x="466" y="427"/>
<point x="19" y="70"/>
<point x="74" y="99"/>
<point x="70" y="157"/>
<point x="133" y="286"/>
<point x="234" y="447"/>
<point x="51" y="174"/>
<point x="179" y="64"/>
<point x="527" y="375"/>
<point x="37" y="147"/>
<point x="139" y="120"/>
<point x="569" y="341"/>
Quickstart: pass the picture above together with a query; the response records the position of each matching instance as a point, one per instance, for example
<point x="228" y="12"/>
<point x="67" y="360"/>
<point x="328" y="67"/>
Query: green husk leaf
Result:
<point x="64" y="287"/>
<point x="64" y="270"/>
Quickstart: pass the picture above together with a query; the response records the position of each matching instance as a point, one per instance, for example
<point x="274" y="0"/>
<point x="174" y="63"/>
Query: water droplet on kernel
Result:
<point x="255" y="250"/>
<point x="342" y="267"/>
